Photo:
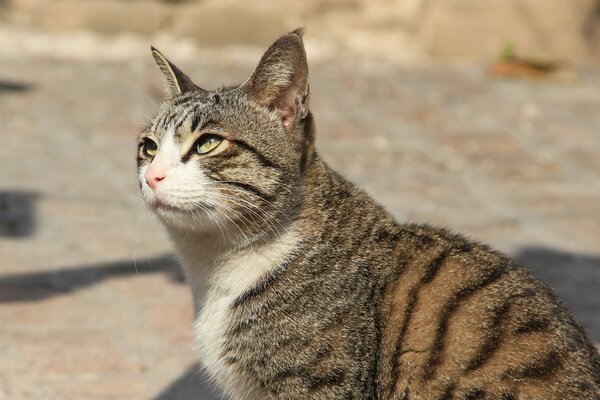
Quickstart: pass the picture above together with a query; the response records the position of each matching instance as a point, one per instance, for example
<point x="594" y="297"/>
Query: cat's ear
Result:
<point x="177" y="81"/>
<point x="280" y="81"/>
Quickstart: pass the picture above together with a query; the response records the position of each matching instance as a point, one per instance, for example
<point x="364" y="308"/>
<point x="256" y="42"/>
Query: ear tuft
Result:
<point x="177" y="82"/>
<point x="280" y="81"/>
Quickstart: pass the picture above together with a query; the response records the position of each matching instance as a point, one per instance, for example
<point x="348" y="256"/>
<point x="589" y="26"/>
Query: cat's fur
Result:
<point x="306" y="288"/>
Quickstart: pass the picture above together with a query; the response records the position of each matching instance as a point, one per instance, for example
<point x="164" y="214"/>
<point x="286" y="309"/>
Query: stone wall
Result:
<point x="537" y="28"/>
<point x="473" y="29"/>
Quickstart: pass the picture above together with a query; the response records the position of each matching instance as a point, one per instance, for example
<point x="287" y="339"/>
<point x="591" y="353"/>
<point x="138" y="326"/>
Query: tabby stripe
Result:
<point x="535" y="324"/>
<point x="541" y="368"/>
<point x="196" y="121"/>
<point x="474" y="394"/>
<point x="184" y="117"/>
<point x="422" y="242"/>
<point x="584" y="386"/>
<point x="412" y="301"/>
<point x="374" y="301"/>
<point x="492" y="342"/>
<point x="449" y="392"/>
<point x="263" y="286"/>
<point x="430" y="270"/>
<point x="449" y="310"/>
<point x="263" y="160"/>
<point x="195" y="125"/>
<point x="169" y="118"/>
<point x="434" y="266"/>
<point x="182" y="99"/>
<point x="334" y="377"/>
<point x="160" y="123"/>
<point x="252" y="189"/>
<point x="307" y="140"/>
<point x="314" y="381"/>
<point x="245" y="186"/>
<point x="176" y="125"/>
<point x="507" y="396"/>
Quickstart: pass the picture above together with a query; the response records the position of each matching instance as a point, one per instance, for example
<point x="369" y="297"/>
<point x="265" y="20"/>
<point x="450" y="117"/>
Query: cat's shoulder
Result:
<point x="421" y="237"/>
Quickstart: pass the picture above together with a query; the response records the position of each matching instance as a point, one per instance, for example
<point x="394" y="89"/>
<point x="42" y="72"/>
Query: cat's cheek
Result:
<point x="147" y="193"/>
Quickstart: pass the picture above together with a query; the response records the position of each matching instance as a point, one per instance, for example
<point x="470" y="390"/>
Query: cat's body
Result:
<point x="306" y="288"/>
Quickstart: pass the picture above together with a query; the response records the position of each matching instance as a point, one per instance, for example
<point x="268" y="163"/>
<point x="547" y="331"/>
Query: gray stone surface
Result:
<point x="92" y="305"/>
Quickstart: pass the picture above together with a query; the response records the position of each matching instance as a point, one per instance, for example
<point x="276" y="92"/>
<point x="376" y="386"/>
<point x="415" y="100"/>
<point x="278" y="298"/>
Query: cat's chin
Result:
<point x="161" y="207"/>
<point x="181" y="218"/>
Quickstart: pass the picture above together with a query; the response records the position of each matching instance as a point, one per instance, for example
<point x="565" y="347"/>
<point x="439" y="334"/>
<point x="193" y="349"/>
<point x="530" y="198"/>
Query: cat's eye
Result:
<point x="207" y="143"/>
<point x="149" y="148"/>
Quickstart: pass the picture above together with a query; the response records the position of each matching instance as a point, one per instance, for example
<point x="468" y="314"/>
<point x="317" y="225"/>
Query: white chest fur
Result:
<point x="216" y="283"/>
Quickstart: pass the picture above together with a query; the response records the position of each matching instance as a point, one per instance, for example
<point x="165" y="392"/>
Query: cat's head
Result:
<point x="231" y="159"/>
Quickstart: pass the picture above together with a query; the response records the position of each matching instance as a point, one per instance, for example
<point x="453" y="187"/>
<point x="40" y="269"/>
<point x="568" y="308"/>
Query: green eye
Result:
<point x="149" y="147"/>
<point x="207" y="143"/>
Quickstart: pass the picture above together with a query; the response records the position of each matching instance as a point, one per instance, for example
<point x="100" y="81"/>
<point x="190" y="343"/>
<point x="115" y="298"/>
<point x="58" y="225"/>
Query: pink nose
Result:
<point x="153" y="176"/>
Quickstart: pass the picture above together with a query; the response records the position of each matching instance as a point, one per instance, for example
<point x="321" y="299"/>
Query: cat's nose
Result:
<point x="153" y="176"/>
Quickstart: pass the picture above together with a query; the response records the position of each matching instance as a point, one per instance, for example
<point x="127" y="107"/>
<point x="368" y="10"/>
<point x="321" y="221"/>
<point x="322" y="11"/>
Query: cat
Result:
<point x="305" y="288"/>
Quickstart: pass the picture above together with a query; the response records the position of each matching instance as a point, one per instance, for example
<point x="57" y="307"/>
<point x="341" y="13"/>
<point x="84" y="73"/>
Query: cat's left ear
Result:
<point x="280" y="81"/>
<point x="177" y="81"/>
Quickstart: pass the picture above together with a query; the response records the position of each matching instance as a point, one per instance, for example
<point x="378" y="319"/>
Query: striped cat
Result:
<point x="305" y="288"/>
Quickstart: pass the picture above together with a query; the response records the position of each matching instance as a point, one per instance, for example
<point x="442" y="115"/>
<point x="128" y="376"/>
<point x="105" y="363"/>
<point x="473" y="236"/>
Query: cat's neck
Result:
<point x="211" y="257"/>
<point x="212" y="263"/>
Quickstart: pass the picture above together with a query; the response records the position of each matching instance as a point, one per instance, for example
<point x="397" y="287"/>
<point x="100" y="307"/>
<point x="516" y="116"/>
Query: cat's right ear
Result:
<point x="177" y="81"/>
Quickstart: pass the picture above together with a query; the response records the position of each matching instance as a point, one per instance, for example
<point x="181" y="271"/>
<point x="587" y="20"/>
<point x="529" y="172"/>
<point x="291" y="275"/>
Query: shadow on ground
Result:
<point x="17" y="213"/>
<point x="575" y="277"/>
<point x="38" y="286"/>
<point x="13" y="87"/>
<point x="190" y="386"/>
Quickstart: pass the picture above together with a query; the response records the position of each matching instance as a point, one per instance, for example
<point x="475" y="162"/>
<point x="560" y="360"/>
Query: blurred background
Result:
<point x="483" y="116"/>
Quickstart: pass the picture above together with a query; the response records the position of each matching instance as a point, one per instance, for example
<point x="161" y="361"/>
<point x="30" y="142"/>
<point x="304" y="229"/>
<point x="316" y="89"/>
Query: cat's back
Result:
<point x="462" y="321"/>
<point x="456" y="319"/>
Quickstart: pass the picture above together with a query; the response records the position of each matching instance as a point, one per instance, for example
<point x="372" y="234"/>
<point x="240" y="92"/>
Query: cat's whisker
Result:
<point x="248" y="206"/>
<point x="217" y="222"/>
<point x="241" y="216"/>
<point x="153" y="103"/>
<point x="260" y="218"/>
<point x="257" y="214"/>
<point x="232" y="188"/>
<point x="243" y="234"/>
<point x="143" y="217"/>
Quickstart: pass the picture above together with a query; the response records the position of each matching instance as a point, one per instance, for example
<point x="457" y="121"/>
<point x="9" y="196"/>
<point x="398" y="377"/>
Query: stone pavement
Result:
<point x="92" y="305"/>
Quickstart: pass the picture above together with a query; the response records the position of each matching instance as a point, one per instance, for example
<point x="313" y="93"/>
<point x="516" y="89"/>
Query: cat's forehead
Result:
<point x="182" y="117"/>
